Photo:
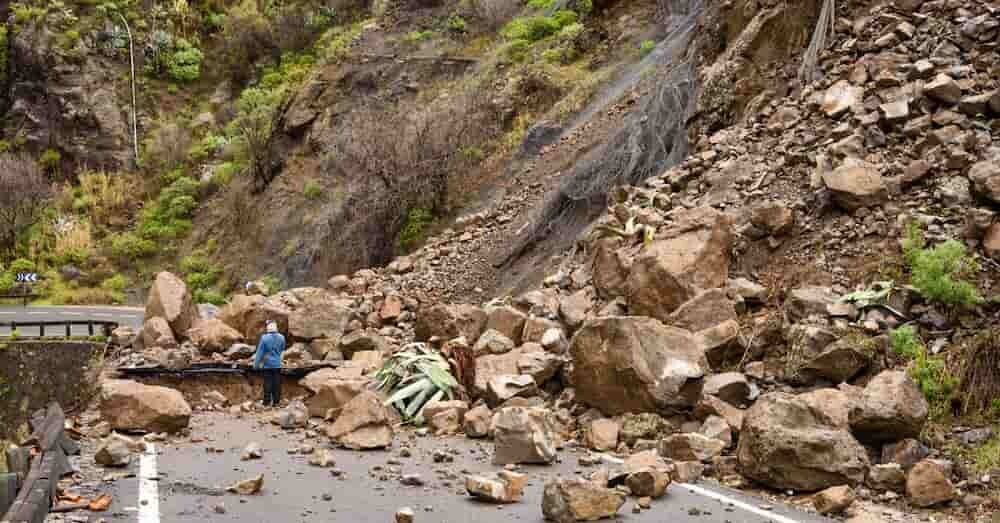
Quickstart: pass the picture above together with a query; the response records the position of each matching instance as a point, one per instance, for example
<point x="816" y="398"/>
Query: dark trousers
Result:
<point x="272" y="386"/>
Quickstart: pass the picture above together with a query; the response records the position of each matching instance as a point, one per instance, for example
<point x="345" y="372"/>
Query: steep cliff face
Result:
<point x="65" y="98"/>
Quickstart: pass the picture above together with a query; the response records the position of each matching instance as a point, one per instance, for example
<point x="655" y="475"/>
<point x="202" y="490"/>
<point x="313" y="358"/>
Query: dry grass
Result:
<point x="109" y="197"/>
<point x="980" y="385"/>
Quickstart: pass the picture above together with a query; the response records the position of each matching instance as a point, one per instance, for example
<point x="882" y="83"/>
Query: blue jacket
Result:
<point x="269" y="350"/>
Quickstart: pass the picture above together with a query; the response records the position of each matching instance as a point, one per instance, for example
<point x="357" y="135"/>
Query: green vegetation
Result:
<point x="3" y="70"/>
<point x="49" y="161"/>
<point x="26" y="14"/>
<point x="939" y="273"/>
<point x="185" y="63"/>
<point x="202" y="276"/>
<point x="414" y="37"/>
<point x="415" y="229"/>
<point x="169" y="216"/>
<point x="456" y="24"/>
<point x="929" y="373"/>
<point x="646" y="47"/>
<point x="312" y="190"/>
<point x="534" y="28"/>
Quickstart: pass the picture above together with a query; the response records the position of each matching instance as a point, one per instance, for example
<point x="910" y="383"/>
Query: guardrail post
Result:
<point x="69" y="329"/>
<point x="90" y="328"/>
<point x="41" y="330"/>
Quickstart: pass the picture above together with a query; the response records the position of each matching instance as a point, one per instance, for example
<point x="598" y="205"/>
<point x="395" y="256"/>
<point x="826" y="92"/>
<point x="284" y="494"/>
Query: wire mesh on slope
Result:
<point x="825" y="29"/>
<point x="653" y="137"/>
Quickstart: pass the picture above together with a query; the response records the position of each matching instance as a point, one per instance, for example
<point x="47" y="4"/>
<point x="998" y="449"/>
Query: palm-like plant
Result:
<point x="414" y="377"/>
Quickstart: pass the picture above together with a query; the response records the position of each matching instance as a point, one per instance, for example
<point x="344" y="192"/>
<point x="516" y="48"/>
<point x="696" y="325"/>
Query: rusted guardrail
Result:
<point x="38" y="484"/>
<point x="94" y="327"/>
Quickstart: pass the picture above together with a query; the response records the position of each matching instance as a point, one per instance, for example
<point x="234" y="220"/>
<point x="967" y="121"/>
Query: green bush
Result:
<point x="414" y="228"/>
<point x="418" y="36"/>
<point x="207" y="147"/>
<point x="939" y="273"/>
<point x="21" y="265"/>
<point x="130" y="246"/>
<point x="929" y="373"/>
<point x="184" y="65"/>
<point x="225" y="173"/>
<point x="540" y="4"/>
<point x="312" y="190"/>
<point x="50" y="159"/>
<point x="646" y="47"/>
<point x="116" y="283"/>
<point x="169" y="215"/>
<point x="456" y="24"/>
<point x="209" y="296"/>
<point x="6" y="282"/>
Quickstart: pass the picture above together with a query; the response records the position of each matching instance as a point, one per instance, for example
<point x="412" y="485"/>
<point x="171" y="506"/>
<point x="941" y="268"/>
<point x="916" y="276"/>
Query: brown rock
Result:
<point x="841" y="360"/>
<point x="364" y="423"/>
<point x="391" y="308"/>
<point x="571" y="500"/>
<point x="332" y="389"/>
<point x="891" y="408"/>
<point x="249" y="315"/>
<point x="906" y="453"/>
<point x="887" y="476"/>
<point x="808" y="301"/>
<point x="712" y="406"/>
<point x="169" y="299"/>
<point x="693" y="254"/>
<point x="717" y="428"/>
<point x="574" y="308"/>
<point x="451" y="321"/>
<point x="508" y="487"/>
<point x="774" y="218"/>
<point x="704" y="311"/>
<point x="609" y="268"/>
<point x="985" y="178"/>
<point x="927" y="484"/>
<point x="156" y="332"/>
<point x="731" y="387"/>
<point x="834" y="500"/>
<point x="540" y="365"/>
<point x="318" y="314"/>
<point x="602" y="434"/>
<point x="840" y="97"/>
<point x="691" y="447"/>
<point x="649" y="481"/>
<point x="492" y="342"/>
<point x="130" y="405"/>
<point x="476" y="422"/>
<point x="503" y="387"/>
<point x="785" y="444"/>
<point x="213" y="335"/>
<point x="856" y="186"/>
<point x="943" y="89"/>
<point x="489" y="367"/>
<point x="524" y="435"/>
<point x="633" y="364"/>
<point x="991" y="241"/>
<point x="248" y="487"/>
<point x="445" y="417"/>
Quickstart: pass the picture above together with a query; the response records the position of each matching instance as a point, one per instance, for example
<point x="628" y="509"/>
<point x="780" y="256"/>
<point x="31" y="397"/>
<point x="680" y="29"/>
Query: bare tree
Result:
<point x="24" y="191"/>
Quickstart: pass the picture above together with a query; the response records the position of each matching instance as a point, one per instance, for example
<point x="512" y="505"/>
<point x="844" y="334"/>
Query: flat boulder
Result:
<point x="249" y="315"/>
<point x="985" y="178"/>
<point x="524" y="435"/>
<point x="213" y="335"/>
<point x="841" y="360"/>
<point x="318" y="314"/>
<point x="506" y="320"/>
<point x="785" y="444"/>
<point x="636" y="364"/>
<point x="704" y="311"/>
<point x="447" y="322"/>
<point x="571" y="500"/>
<point x="856" y="186"/>
<point x="132" y="406"/>
<point x="731" y="387"/>
<point x="364" y="423"/>
<point x="890" y="408"/>
<point x="692" y="254"/>
<point x="170" y="299"/>
<point x="691" y="447"/>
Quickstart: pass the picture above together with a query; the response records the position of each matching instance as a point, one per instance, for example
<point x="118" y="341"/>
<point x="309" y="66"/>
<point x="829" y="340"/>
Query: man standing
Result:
<point x="268" y="358"/>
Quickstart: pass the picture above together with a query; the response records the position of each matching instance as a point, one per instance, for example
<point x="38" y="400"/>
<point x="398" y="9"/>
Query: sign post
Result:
<point x="27" y="277"/>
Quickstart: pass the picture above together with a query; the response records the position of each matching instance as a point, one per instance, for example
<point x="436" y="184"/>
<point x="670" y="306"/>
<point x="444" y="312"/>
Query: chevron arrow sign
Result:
<point x="27" y="277"/>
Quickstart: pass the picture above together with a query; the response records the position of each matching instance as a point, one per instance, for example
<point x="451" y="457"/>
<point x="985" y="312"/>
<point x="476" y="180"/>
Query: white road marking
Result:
<point x="73" y="313"/>
<point x="103" y="314"/>
<point x="37" y="313"/>
<point x="776" y="518"/>
<point x="695" y="489"/>
<point x="149" y="496"/>
<point x="8" y="313"/>
<point x="129" y="316"/>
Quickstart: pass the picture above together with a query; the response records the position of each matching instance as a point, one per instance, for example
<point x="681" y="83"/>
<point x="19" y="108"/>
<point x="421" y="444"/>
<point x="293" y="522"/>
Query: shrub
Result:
<point x="414" y="228"/>
<point x="209" y="296"/>
<point x="224" y="173"/>
<point x="6" y="282"/>
<point x="168" y="216"/>
<point x="646" y="47"/>
<point x="21" y="265"/>
<point x="929" y="373"/>
<point x="49" y="161"/>
<point x="116" y="283"/>
<point x="418" y="36"/>
<point x="207" y="147"/>
<point x="938" y="273"/>
<point x="185" y="63"/>
<point x="312" y="190"/>
<point x="129" y="246"/>
<point x="456" y="24"/>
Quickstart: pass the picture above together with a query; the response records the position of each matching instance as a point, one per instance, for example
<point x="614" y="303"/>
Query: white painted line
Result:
<point x="149" y="496"/>
<point x="73" y="313"/>
<point x="8" y="313"/>
<point x="37" y="313"/>
<point x="776" y="518"/>
<point x="129" y="316"/>
<point x="103" y="314"/>
<point x="695" y="489"/>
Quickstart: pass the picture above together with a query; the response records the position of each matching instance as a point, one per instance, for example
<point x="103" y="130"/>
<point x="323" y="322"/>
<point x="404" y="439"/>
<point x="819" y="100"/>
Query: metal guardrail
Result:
<point x="105" y="327"/>
<point x="39" y="482"/>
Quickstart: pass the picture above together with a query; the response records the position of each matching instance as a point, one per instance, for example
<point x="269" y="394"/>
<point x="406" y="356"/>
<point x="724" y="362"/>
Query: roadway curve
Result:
<point x="127" y="316"/>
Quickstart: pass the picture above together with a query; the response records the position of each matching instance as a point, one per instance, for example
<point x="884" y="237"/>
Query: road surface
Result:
<point x="129" y="316"/>
<point x="184" y="482"/>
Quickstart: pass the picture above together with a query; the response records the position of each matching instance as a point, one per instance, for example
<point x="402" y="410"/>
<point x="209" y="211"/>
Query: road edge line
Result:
<point x="149" y="495"/>
<point x="777" y="518"/>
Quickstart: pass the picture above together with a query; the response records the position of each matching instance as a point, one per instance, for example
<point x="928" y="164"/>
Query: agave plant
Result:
<point x="632" y="229"/>
<point x="414" y="377"/>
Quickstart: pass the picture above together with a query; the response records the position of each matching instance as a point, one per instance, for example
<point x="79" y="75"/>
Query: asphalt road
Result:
<point x="129" y="316"/>
<point x="185" y="483"/>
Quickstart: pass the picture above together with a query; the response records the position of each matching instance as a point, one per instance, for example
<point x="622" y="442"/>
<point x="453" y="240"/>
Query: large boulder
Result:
<point x="318" y="314"/>
<point x="704" y="311"/>
<point x="250" y="314"/>
<point x="213" y="335"/>
<point x="169" y="299"/>
<point x="571" y="500"/>
<point x="492" y="366"/>
<point x="636" y="364"/>
<point x="691" y="447"/>
<point x="156" y="332"/>
<point x="364" y="423"/>
<point x="524" y="435"/>
<point x="448" y="322"/>
<point x="609" y="268"/>
<point x="693" y="254"/>
<point x="332" y="389"/>
<point x="891" y="408"/>
<point x="928" y="484"/>
<point x="856" y="186"/>
<point x="506" y="320"/>
<point x="131" y="406"/>
<point x="985" y="178"/>
<point x="841" y="360"/>
<point x="786" y="444"/>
